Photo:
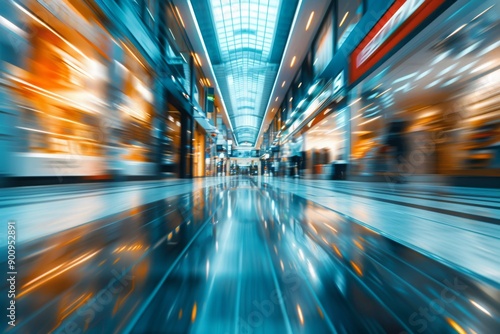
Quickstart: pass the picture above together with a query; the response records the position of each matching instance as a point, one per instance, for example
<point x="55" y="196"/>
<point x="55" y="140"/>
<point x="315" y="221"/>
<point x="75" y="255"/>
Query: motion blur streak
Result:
<point x="250" y="166"/>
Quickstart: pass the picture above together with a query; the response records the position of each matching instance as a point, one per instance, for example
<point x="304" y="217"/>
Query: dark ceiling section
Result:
<point x="284" y="27"/>
<point x="207" y="29"/>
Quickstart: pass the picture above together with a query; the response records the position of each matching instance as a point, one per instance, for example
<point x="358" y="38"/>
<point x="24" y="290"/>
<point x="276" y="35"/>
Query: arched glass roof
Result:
<point x="245" y="40"/>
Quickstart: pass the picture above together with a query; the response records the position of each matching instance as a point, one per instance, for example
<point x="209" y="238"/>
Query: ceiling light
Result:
<point x="311" y="90"/>
<point x="446" y="70"/>
<point x="272" y="110"/>
<point x="467" y="67"/>
<point x="371" y="120"/>
<point x="423" y="74"/>
<point x="458" y="29"/>
<point x="484" y="11"/>
<point x="354" y="102"/>
<point x="291" y="99"/>
<point x="208" y="82"/>
<point x="365" y="107"/>
<point x="404" y="87"/>
<point x="377" y="86"/>
<point x="479" y="68"/>
<point x="468" y="50"/>
<point x="198" y="60"/>
<point x="440" y="57"/>
<point x="409" y="76"/>
<point x="171" y="33"/>
<point x="283" y="84"/>
<point x="180" y="17"/>
<point x="490" y="48"/>
<point x="343" y="19"/>
<point x="379" y="95"/>
<point x="451" y="81"/>
<point x="434" y="83"/>
<point x="293" y="61"/>
<point x="277" y="99"/>
<point x="300" y="84"/>
<point x="310" y="20"/>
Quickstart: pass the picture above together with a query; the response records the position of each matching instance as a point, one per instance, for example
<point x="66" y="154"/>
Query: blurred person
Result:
<point x="296" y="157"/>
<point x="396" y="141"/>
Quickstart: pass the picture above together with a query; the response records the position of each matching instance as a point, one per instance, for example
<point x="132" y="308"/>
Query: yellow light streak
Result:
<point x="41" y="281"/>
<point x="310" y="20"/>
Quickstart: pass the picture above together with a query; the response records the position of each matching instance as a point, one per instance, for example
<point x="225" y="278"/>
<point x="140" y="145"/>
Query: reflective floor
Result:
<point x="237" y="255"/>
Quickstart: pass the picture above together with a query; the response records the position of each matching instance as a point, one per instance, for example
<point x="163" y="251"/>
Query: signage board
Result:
<point x="338" y="84"/>
<point x="209" y="99"/>
<point x="400" y="20"/>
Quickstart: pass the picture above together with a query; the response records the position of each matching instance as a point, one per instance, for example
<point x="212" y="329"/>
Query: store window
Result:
<point x="172" y="142"/>
<point x="61" y="93"/>
<point x="368" y="138"/>
<point x="477" y="133"/>
<point x="349" y="13"/>
<point x="199" y="151"/>
<point x="199" y="88"/>
<point x="137" y="111"/>
<point x="323" y="46"/>
<point x="178" y="52"/>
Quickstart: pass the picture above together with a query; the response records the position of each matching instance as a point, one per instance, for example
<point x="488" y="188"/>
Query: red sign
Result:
<point x="403" y="17"/>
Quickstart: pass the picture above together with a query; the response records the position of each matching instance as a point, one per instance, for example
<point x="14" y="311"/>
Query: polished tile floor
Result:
<point x="255" y="255"/>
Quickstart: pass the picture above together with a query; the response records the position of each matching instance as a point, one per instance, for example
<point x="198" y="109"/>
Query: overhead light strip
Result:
<point x="221" y="98"/>
<point x="310" y="20"/>
<point x="292" y="28"/>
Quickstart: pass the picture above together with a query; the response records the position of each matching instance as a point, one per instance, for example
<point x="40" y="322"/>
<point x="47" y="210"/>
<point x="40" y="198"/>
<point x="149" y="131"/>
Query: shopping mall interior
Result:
<point x="250" y="166"/>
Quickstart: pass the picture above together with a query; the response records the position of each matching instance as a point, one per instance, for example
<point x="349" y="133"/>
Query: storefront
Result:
<point x="171" y="161"/>
<point x="84" y="99"/>
<point x="199" y="142"/>
<point x="60" y="89"/>
<point x="442" y="86"/>
<point x="325" y="143"/>
<point x="136" y="113"/>
<point x="318" y="136"/>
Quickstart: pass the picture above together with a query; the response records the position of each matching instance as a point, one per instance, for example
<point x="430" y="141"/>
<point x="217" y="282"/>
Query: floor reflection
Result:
<point x="241" y="257"/>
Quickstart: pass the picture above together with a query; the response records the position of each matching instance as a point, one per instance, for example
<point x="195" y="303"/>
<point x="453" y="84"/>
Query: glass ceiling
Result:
<point x="245" y="44"/>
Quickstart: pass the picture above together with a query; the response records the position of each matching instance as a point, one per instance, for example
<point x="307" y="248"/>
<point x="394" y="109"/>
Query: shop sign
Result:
<point x="209" y="99"/>
<point x="328" y="92"/>
<point x="332" y="88"/>
<point x="338" y="83"/>
<point x="394" y="22"/>
<point x="402" y="18"/>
